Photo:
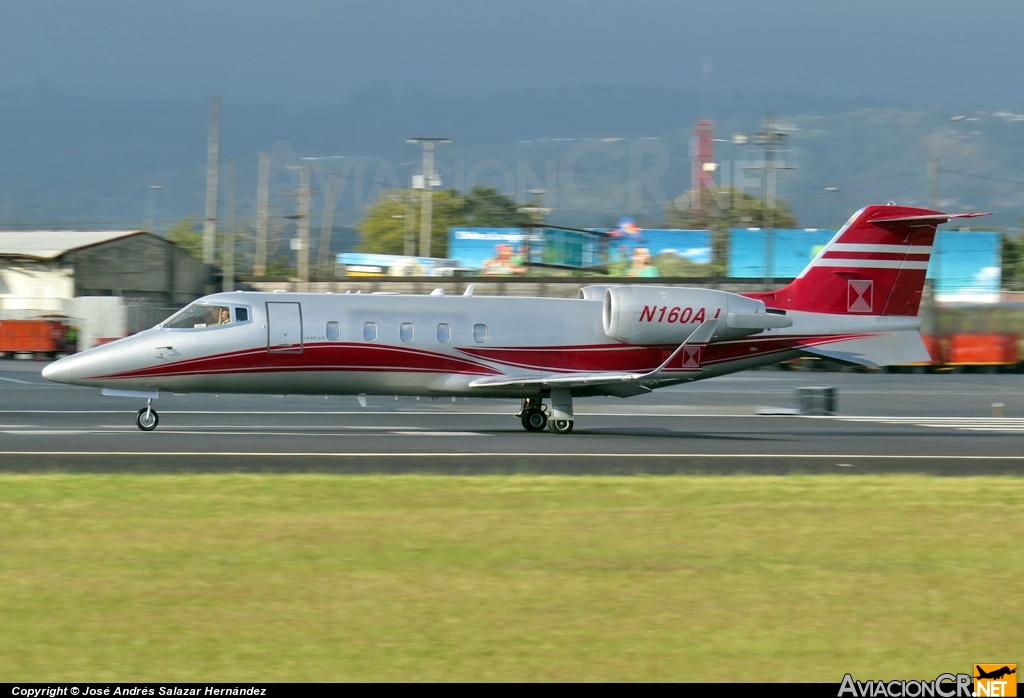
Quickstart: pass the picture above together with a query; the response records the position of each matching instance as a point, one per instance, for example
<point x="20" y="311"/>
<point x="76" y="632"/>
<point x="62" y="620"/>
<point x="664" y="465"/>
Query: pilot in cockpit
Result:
<point x="225" y="317"/>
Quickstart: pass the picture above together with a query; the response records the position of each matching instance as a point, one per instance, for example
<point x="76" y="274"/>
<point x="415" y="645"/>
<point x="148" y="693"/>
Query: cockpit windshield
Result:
<point x="200" y="315"/>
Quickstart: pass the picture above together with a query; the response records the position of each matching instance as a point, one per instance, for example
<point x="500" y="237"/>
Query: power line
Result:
<point x="978" y="176"/>
<point x="851" y="181"/>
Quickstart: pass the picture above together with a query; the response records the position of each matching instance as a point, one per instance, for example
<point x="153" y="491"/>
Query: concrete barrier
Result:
<point x="817" y="400"/>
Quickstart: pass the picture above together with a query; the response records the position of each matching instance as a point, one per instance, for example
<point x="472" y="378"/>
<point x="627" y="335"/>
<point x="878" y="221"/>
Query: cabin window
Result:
<point x="406" y="332"/>
<point x="197" y="316"/>
<point x="334" y="331"/>
<point x="241" y="315"/>
<point x="370" y="331"/>
<point x="479" y="333"/>
<point x="444" y="332"/>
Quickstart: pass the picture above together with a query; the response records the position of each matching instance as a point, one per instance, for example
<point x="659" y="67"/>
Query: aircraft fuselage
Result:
<point x="345" y="344"/>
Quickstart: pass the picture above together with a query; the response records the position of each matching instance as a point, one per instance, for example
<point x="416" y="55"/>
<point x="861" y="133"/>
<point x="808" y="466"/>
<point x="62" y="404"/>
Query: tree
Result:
<point x="383" y="230"/>
<point x="728" y="208"/>
<point x="1013" y="262"/>
<point x="731" y="208"/>
<point x="486" y="208"/>
<point x="186" y="235"/>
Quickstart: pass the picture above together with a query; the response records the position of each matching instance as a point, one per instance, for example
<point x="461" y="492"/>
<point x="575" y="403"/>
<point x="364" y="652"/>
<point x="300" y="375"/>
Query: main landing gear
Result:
<point x="147" y="418"/>
<point x="535" y="416"/>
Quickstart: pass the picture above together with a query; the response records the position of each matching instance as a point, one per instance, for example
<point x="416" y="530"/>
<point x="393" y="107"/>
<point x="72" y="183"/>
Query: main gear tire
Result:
<point x="559" y="426"/>
<point x="534" y="420"/>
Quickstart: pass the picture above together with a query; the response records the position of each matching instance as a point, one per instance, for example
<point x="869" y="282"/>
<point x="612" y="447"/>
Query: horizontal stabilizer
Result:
<point x="887" y="349"/>
<point x="931" y="218"/>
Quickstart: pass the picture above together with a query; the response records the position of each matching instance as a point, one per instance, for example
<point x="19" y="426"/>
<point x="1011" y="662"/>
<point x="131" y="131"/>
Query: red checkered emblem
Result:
<point x="691" y="357"/>
<point x="859" y="296"/>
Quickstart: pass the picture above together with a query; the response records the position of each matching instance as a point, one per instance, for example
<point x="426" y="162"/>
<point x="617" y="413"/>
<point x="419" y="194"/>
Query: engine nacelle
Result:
<point x="668" y="315"/>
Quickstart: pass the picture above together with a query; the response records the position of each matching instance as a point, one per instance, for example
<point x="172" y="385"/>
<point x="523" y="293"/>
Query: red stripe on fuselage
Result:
<point x="386" y="358"/>
<point x="316" y="357"/>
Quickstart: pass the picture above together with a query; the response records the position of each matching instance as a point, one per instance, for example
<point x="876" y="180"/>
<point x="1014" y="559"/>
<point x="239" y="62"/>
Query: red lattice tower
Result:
<point x="703" y="162"/>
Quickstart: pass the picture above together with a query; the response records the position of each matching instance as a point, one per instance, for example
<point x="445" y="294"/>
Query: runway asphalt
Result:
<point x="938" y="424"/>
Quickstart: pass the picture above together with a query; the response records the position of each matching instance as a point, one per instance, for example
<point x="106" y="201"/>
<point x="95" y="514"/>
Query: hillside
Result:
<point x="71" y="161"/>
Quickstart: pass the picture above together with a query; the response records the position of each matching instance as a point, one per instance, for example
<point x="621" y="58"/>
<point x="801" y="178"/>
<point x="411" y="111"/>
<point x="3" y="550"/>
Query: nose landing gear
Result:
<point x="147" y="418"/>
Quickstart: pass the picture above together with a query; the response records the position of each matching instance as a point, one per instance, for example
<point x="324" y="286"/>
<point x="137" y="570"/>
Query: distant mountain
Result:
<point x="81" y="162"/>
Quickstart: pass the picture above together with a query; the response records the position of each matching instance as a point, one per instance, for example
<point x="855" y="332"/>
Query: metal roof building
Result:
<point x="50" y="244"/>
<point x="133" y="264"/>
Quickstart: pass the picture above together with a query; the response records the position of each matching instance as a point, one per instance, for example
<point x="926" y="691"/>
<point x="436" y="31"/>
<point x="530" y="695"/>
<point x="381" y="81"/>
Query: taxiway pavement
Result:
<point x="939" y="424"/>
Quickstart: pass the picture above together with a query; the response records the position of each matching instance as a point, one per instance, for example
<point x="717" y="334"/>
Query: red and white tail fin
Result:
<point x="875" y="265"/>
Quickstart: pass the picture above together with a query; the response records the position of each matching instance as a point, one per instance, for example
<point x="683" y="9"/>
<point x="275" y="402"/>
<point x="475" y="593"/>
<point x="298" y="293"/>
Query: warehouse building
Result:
<point x="112" y="283"/>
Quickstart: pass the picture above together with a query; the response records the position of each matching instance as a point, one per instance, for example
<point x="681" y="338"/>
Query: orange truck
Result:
<point x="38" y="337"/>
<point x="995" y="349"/>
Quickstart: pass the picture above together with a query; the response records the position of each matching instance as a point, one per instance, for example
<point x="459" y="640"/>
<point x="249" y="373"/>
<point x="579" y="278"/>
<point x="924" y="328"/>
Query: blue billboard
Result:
<point x="371" y="264"/>
<point x="965" y="265"/>
<point x="647" y="252"/>
<point x="623" y="251"/>
<point x="494" y="250"/>
<point x="794" y="249"/>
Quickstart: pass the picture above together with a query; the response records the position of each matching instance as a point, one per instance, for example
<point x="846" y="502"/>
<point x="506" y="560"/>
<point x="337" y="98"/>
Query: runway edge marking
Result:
<point x="446" y="454"/>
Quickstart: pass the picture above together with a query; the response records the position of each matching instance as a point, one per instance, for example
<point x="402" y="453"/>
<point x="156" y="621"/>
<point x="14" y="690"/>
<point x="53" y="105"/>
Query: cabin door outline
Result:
<point x="284" y="327"/>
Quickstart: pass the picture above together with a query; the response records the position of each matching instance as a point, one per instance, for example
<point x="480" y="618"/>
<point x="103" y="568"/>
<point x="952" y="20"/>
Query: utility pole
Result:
<point x="149" y="224"/>
<point x="769" y="138"/>
<point x="323" y="259"/>
<point x="429" y="177"/>
<point x="933" y="183"/>
<point x="536" y="214"/>
<point x="409" y="246"/>
<point x="228" y="235"/>
<point x="212" y="178"/>
<point x="303" y="227"/>
<point x="262" y="215"/>
<point x="933" y="201"/>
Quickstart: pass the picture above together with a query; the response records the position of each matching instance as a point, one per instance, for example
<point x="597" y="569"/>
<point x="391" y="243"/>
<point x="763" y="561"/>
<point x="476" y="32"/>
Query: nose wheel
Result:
<point x="147" y="418"/>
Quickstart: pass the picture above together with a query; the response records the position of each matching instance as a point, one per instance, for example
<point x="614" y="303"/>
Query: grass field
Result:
<point x="307" y="577"/>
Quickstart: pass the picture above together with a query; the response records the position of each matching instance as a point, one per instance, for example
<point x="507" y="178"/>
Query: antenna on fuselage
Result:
<point x="468" y="291"/>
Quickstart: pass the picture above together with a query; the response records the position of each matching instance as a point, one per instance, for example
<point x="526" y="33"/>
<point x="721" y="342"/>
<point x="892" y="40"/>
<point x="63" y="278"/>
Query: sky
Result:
<point x="308" y="52"/>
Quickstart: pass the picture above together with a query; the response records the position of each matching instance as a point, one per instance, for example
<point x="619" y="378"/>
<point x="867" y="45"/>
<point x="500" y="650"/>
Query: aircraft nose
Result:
<point x="58" y="371"/>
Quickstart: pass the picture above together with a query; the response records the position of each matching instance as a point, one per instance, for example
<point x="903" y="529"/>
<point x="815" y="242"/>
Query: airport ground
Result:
<point x="224" y="546"/>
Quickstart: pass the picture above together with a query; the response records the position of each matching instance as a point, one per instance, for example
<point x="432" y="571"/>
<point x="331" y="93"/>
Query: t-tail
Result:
<point x="865" y="287"/>
<point x="875" y="265"/>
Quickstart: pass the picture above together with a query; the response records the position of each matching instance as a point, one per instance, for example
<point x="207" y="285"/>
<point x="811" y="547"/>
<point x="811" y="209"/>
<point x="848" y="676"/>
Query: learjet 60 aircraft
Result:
<point x="856" y="302"/>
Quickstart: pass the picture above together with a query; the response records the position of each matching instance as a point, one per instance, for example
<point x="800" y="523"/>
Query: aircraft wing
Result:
<point x="623" y="384"/>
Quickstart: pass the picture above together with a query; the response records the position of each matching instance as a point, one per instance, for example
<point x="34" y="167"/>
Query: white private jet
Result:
<point x="857" y="301"/>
